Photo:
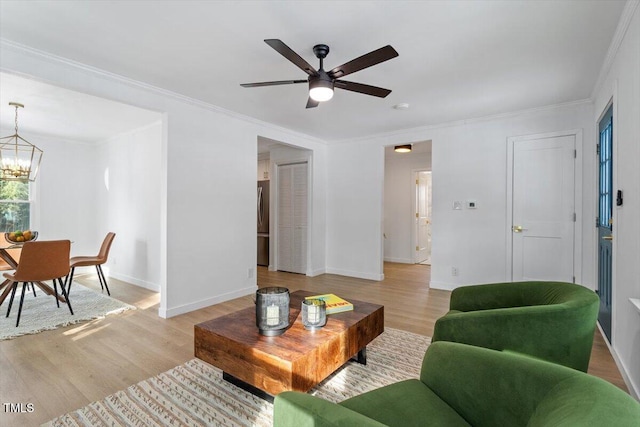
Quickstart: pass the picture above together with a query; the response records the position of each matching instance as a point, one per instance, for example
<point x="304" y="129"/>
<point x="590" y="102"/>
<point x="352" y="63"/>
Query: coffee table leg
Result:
<point x="247" y="387"/>
<point x="361" y="357"/>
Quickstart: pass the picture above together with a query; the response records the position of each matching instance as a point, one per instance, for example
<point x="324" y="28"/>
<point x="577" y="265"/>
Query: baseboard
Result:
<point x="444" y="286"/>
<point x="82" y="271"/>
<point x="317" y="272"/>
<point x="132" y="280"/>
<point x="399" y="260"/>
<point x="634" y="390"/>
<point x="357" y="274"/>
<point x="166" y="313"/>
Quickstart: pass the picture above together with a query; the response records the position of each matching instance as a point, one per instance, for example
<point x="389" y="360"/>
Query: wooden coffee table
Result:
<point x="296" y="360"/>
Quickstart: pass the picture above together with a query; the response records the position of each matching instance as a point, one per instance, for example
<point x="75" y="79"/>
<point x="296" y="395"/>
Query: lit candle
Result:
<point x="273" y="315"/>
<point x="313" y="313"/>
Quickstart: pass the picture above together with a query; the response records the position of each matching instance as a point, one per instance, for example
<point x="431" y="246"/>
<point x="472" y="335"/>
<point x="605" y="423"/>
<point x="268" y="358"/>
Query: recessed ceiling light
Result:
<point x="405" y="148"/>
<point x="403" y="106"/>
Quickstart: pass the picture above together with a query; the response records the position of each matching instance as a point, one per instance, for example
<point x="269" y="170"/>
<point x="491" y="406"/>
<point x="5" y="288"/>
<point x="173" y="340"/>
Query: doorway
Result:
<point x="407" y="204"/>
<point x="542" y="207"/>
<point x="284" y="239"/>
<point x="605" y="220"/>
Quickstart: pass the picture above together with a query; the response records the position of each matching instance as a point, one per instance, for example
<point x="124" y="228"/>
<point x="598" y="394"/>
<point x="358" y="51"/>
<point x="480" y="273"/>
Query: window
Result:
<point x="605" y="154"/>
<point x="15" y="206"/>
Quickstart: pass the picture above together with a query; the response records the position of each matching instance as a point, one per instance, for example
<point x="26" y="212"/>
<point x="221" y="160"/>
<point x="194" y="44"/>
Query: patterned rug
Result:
<point x="194" y="394"/>
<point x="41" y="313"/>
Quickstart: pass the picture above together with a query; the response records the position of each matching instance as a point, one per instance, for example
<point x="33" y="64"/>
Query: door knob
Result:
<point x="518" y="229"/>
<point x="607" y="237"/>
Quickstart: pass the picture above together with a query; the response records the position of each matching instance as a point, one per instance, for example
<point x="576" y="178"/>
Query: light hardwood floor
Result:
<point x="62" y="370"/>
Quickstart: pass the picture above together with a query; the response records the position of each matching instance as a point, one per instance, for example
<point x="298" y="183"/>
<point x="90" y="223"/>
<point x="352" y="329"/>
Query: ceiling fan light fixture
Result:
<point x="321" y="83"/>
<point x="321" y="94"/>
<point x="404" y="148"/>
<point x="321" y="89"/>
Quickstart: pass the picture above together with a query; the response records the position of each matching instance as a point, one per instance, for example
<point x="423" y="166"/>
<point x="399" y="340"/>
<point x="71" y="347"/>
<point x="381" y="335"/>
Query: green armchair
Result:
<point x="553" y="321"/>
<point x="463" y="385"/>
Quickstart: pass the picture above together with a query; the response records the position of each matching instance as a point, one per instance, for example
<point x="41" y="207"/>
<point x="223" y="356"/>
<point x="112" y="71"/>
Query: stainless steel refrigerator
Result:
<point x="263" y="223"/>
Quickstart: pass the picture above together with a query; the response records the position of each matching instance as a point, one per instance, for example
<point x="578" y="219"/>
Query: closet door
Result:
<point x="292" y="218"/>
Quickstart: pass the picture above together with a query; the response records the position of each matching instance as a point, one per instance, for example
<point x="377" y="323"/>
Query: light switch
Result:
<point x="472" y="204"/>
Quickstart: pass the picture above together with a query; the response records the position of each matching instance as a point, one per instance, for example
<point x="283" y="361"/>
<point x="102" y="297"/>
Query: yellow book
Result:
<point x="335" y="304"/>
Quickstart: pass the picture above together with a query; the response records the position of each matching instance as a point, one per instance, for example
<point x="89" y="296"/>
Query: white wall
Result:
<point x="399" y="202"/>
<point x="355" y="184"/>
<point x="469" y="161"/>
<point x="127" y="186"/>
<point x="207" y="207"/>
<point x="622" y="83"/>
<point x="70" y="213"/>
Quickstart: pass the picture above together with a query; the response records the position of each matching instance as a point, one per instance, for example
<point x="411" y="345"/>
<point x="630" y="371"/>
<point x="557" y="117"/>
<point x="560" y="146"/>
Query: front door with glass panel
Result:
<point x="605" y="220"/>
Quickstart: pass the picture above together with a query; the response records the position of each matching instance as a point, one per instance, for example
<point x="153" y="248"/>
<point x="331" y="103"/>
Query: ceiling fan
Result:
<point x="321" y="82"/>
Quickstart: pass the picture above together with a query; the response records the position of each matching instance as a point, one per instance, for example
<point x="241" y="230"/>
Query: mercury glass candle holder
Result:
<point x="272" y="310"/>
<point x="314" y="314"/>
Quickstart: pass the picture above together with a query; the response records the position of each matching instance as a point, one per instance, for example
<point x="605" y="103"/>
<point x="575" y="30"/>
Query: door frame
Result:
<point x="609" y="106"/>
<point x="577" y="197"/>
<point x="612" y="102"/>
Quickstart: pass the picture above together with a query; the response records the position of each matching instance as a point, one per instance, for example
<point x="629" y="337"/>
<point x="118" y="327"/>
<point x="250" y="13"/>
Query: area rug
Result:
<point x="194" y="394"/>
<point x="40" y="313"/>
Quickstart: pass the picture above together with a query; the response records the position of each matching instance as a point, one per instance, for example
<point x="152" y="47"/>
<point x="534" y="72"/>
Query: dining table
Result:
<point x="6" y="249"/>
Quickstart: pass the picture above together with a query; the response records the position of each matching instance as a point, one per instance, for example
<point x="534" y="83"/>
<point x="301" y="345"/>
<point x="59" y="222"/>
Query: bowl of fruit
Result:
<point x="21" y="236"/>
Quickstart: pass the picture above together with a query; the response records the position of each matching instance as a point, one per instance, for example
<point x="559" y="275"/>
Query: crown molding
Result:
<point x="623" y="25"/>
<point x="88" y="69"/>
<point x="43" y="136"/>
<point x="423" y="129"/>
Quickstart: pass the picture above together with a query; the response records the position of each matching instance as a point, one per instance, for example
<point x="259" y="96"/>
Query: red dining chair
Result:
<point x="98" y="260"/>
<point x="41" y="261"/>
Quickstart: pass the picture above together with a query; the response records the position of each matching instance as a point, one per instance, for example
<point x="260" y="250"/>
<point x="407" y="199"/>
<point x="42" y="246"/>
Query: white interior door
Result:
<point x="292" y="218"/>
<point x="543" y="205"/>
<point x="423" y="217"/>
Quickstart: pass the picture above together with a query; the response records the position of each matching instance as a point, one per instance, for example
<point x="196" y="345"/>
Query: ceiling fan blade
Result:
<point x="312" y="103"/>
<point x="364" y="61"/>
<point x="362" y="88"/>
<point x="276" y="83"/>
<point x="288" y="53"/>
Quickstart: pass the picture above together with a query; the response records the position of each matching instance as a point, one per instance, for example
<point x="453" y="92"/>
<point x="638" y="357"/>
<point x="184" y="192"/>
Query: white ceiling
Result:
<point x="457" y="59"/>
<point x="54" y="111"/>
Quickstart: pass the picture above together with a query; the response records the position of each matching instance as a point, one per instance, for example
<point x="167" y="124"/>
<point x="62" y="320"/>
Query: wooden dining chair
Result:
<point x="98" y="260"/>
<point x="39" y="262"/>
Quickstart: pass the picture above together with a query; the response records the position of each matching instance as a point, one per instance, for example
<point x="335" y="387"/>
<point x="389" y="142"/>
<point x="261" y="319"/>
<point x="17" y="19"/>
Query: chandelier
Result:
<point x="19" y="159"/>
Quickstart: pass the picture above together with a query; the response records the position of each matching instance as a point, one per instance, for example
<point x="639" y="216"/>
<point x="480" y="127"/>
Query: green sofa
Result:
<point x="463" y="385"/>
<point x="553" y="321"/>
